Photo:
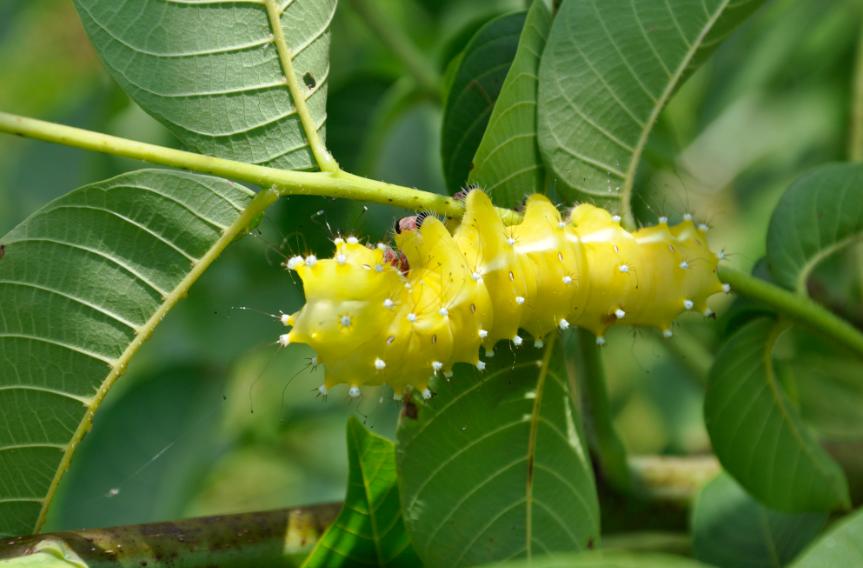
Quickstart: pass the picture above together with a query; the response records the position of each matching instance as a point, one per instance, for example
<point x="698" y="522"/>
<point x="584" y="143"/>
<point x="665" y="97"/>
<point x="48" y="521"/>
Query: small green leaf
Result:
<point x="215" y="73"/>
<point x="819" y="214"/>
<point x="507" y="163"/>
<point x="369" y="531"/>
<point x="609" y="68"/>
<point x="840" y="546"/>
<point x="758" y="435"/>
<point x="731" y="529"/>
<point x="495" y="465"/>
<point x="603" y="559"/>
<point x="84" y="281"/>
<point x="474" y="88"/>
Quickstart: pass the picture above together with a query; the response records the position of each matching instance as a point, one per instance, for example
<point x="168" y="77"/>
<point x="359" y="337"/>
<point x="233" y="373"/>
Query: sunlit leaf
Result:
<point x="757" y="433"/>
<point x="841" y="546"/>
<point x="819" y="214"/>
<point x="84" y="281"/>
<point x="507" y="163"/>
<point x="603" y="559"/>
<point x="495" y="465"/>
<point x="369" y="531"/>
<point x="609" y="68"/>
<point x="215" y="73"/>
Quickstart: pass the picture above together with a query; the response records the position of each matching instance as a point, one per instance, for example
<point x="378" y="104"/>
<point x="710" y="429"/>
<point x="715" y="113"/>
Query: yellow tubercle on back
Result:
<point x="371" y="324"/>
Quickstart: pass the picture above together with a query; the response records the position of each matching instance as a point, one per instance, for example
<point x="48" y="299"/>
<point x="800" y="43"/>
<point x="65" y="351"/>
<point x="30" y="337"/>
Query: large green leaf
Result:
<point x="841" y="546"/>
<point x="84" y="282"/>
<point x="731" y="529"/>
<point x="819" y="214"/>
<point x="757" y="433"/>
<point x="223" y="76"/>
<point x="369" y="531"/>
<point x="495" y="466"/>
<point x="609" y="68"/>
<point x="507" y="163"/>
<point x="474" y="87"/>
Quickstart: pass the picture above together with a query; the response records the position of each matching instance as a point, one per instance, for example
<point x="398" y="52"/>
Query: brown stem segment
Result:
<point x="273" y="538"/>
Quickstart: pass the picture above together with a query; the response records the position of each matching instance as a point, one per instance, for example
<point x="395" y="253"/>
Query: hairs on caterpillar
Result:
<point x="374" y="321"/>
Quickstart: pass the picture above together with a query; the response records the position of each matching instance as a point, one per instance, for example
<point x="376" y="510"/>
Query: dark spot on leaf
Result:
<point x="590" y="543"/>
<point x="530" y="469"/>
<point x="309" y="80"/>
<point x="2" y="251"/>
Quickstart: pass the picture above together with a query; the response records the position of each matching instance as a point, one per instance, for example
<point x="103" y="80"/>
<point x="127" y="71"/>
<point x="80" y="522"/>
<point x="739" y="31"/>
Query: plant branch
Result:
<point x="271" y="538"/>
<point x="344" y="185"/>
<point x="795" y="307"/>
<point x="390" y="35"/>
<point x="596" y="410"/>
<point x="327" y="184"/>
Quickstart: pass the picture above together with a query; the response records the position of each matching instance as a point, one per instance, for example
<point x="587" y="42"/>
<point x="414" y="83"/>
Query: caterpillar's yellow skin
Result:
<point x="370" y="324"/>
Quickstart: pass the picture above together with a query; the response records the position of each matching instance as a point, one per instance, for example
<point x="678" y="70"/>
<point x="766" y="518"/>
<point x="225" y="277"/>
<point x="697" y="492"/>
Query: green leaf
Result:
<point x="84" y="282"/>
<point x="225" y="77"/>
<point x="609" y="68"/>
<point x="369" y="531"/>
<point x="507" y="163"/>
<point x="495" y="467"/>
<point x="731" y="529"/>
<point x="820" y="213"/>
<point x="840" y="546"/>
<point x="603" y="559"/>
<point x="474" y="87"/>
<point x="757" y="433"/>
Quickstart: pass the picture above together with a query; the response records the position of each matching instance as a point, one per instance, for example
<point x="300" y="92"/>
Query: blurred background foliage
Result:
<point x="212" y="418"/>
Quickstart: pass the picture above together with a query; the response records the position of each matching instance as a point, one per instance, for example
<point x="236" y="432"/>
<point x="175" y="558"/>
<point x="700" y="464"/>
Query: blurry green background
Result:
<point x="213" y="418"/>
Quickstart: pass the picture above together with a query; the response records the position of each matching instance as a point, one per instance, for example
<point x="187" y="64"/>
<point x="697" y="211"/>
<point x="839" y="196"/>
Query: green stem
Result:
<point x="390" y="35"/>
<point x="796" y="307"/>
<point x="327" y="184"/>
<point x="597" y="413"/>
<point x="344" y="185"/>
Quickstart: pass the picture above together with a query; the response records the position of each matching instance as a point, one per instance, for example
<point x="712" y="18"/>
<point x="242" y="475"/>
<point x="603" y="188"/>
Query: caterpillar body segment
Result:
<point x="372" y="323"/>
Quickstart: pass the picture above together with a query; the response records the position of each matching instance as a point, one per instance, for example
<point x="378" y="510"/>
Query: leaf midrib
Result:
<point x="674" y="79"/>
<point x="257" y="205"/>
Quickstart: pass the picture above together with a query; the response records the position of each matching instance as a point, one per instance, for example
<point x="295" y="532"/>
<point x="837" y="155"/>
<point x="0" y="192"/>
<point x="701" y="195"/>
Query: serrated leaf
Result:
<point x="757" y="433"/>
<point x="474" y="87"/>
<point x="840" y="546"/>
<point x="84" y="282"/>
<point x="603" y="559"/>
<point x="609" y="68"/>
<point x="214" y="73"/>
<point x="820" y="213"/>
<point x="507" y="163"/>
<point x="731" y="529"/>
<point x="369" y="531"/>
<point x="495" y="467"/>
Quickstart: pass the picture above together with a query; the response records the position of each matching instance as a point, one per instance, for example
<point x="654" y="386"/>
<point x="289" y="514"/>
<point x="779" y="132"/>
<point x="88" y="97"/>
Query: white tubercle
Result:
<point x="563" y="324"/>
<point x="688" y="304"/>
<point x="323" y="390"/>
<point x="519" y="300"/>
<point x="380" y="364"/>
<point x="615" y="218"/>
<point x="353" y="240"/>
<point x="619" y="314"/>
<point x="517" y="340"/>
<point x="437" y="366"/>
<point x="311" y="260"/>
<point x="284" y="339"/>
<point x="480" y="365"/>
<point x="666" y="333"/>
<point x="687" y="216"/>
<point x="285" y="319"/>
<point x="354" y="391"/>
<point x="345" y="321"/>
<point x="567" y="279"/>
<point x="483" y="334"/>
<point x="684" y="265"/>
<point x="726" y="288"/>
<point x="294" y="262"/>
<point x="341" y="259"/>
<point x="443" y="312"/>
<point x="663" y="220"/>
<point x="538" y="343"/>
<point x="476" y="276"/>
<point x="388" y="303"/>
<point x="623" y="268"/>
<point x="426" y="394"/>
<point x="412" y="317"/>
<point x="600" y="340"/>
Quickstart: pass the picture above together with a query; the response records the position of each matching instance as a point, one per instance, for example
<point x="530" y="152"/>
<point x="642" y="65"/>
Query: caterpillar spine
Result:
<point x="371" y="322"/>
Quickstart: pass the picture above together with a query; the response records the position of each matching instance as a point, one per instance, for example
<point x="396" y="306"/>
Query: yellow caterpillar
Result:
<point x="372" y="323"/>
